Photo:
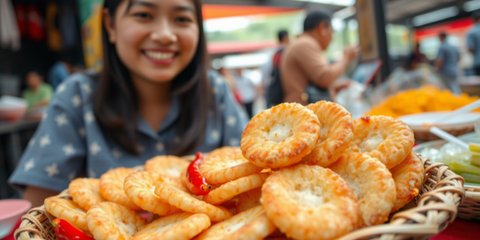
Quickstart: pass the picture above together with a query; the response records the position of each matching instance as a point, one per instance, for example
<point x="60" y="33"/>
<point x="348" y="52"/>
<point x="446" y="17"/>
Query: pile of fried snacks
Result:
<point x="301" y="172"/>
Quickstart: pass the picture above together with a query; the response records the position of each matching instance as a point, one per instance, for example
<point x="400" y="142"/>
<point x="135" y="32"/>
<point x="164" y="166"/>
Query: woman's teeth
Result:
<point x="159" y="55"/>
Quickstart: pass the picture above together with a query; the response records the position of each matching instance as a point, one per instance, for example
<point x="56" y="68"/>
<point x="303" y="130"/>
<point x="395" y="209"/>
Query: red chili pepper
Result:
<point x="66" y="231"/>
<point x="365" y="118"/>
<point x="196" y="182"/>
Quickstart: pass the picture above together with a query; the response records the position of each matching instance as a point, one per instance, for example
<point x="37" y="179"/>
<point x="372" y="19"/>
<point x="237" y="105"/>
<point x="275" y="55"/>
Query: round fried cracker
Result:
<point x="85" y="192"/>
<point x="335" y="134"/>
<point x="140" y="188"/>
<point x="258" y="229"/>
<point x="168" y="166"/>
<point x="382" y="137"/>
<point x="310" y="202"/>
<point x="67" y="210"/>
<point x="248" y="200"/>
<point x="372" y="184"/>
<point x="280" y="136"/>
<point x="109" y="220"/>
<point x="226" y="164"/>
<point x="185" y="201"/>
<point x="408" y="177"/>
<point x="180" y="226"/>
<point x="231" y="189"/>
<point x="247" y="222"/>
<point x="111" y="187"/>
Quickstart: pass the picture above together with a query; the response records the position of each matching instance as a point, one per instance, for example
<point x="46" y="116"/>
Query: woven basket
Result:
<point x="436" y="207"/>
<point x="36" y="223"/>
<point x="470" y="208"/>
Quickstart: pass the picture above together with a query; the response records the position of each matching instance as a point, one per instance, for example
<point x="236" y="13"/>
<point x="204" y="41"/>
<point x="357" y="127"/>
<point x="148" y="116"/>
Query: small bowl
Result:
<point x="10" y="211"/>
<point x="457" y="125"/>
<point x="13" y="114"/>
<point x="12" y="108"/>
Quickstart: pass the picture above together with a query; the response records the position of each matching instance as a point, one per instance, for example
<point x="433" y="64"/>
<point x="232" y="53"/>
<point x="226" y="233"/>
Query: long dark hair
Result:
<point x="116" y="102"/>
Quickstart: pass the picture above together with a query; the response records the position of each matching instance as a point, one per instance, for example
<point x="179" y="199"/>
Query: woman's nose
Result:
<point x="163" y="33"/>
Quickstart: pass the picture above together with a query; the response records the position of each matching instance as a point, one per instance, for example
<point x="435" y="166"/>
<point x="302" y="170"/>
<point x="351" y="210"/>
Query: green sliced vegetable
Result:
<point x="475" y="159"/>
<point x="461" y="167"/>
<point x="470" y="178"/>
<point x="474" y="147"/>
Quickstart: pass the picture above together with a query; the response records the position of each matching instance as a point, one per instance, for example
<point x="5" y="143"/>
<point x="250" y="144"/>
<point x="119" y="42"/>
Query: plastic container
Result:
<point x="10" y="211"/>
<point x="12" y="108"/>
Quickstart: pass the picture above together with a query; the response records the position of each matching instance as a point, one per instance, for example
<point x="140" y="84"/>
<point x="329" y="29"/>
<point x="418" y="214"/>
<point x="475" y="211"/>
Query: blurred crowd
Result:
<point x="268" y="89"/>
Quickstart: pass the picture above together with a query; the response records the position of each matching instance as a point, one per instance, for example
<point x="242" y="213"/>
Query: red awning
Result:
<point x="456" y="26"/>
<point x="211" y="11"/>
<point x="220" y="11"/>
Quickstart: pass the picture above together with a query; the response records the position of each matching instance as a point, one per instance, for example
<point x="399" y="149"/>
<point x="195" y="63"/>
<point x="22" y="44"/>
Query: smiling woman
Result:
<point x="155" y="41"/>
<point x="152" y="97"/>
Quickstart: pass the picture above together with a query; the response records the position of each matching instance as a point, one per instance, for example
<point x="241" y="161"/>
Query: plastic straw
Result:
<point x="448" y="137"/>
<point x="465" y="109"/>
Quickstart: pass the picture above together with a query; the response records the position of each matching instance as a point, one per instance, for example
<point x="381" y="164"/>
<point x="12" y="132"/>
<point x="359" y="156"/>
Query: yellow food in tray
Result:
<point x="424" y="99"/>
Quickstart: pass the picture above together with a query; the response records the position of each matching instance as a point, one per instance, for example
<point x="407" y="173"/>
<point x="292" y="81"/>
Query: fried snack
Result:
<point x="175" y="227"/>
<point x="109" y="220"/>
<point x="385" y="138"/>
<point x="140" y="188"/>
<point x="248" y="200"/>
<point x="185" y="201"/>
<point x="111" y="187"/>
<point x="85" y="192"/>
<point x="226" y="164"/>
<point x="280" y="136"/>
<point x="169" y="166"/>
<point x="310" y="202"/>
<point x="408" y="177"/>
<point x="231" y="189"/>
<point x="372" y="183"/>
<point x="335" y="134"/>
<point x="231" y="205"/>
<point x="68" y="210"/>
<point x="257" y="229"/>
<point x="242" y="222"/>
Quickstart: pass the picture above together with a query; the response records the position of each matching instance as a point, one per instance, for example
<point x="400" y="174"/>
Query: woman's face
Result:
<point x="155" y="39"/>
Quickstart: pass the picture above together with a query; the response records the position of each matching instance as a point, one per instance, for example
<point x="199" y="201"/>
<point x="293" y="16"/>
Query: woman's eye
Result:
<point x="184" y="19"/>
<point x="142" y="15"/>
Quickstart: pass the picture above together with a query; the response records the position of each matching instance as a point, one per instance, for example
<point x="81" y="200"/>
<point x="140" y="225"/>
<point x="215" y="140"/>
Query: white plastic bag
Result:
<point x="354" y="99"/>
<point x="9" y="34"/>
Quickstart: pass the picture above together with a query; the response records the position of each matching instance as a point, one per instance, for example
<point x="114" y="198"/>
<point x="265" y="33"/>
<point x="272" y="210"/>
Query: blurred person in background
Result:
<point x="153" y="97"/>
<point x="416" y="58"/>
<point x="446" y="63"/>
<point x="473" y="42"/>
<point x="272" y="85"/>
<point x="304" y="61"/>
<point x="37" y="94"/>
<point x="229" y="78"/>
<point x="61" y="70"/>
<point x="246" y="90"/>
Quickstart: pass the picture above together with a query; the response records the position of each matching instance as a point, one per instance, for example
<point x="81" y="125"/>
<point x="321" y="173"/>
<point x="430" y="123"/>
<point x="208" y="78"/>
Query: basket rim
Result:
<point x="472" y="188"/>
<point x="472" y="193"/>
<point x="435" y="209"/>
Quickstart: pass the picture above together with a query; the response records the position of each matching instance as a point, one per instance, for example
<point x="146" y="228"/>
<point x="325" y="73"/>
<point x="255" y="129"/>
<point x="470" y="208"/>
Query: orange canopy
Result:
<point x="238" y="47"/>
<point x="220" y="11"/>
